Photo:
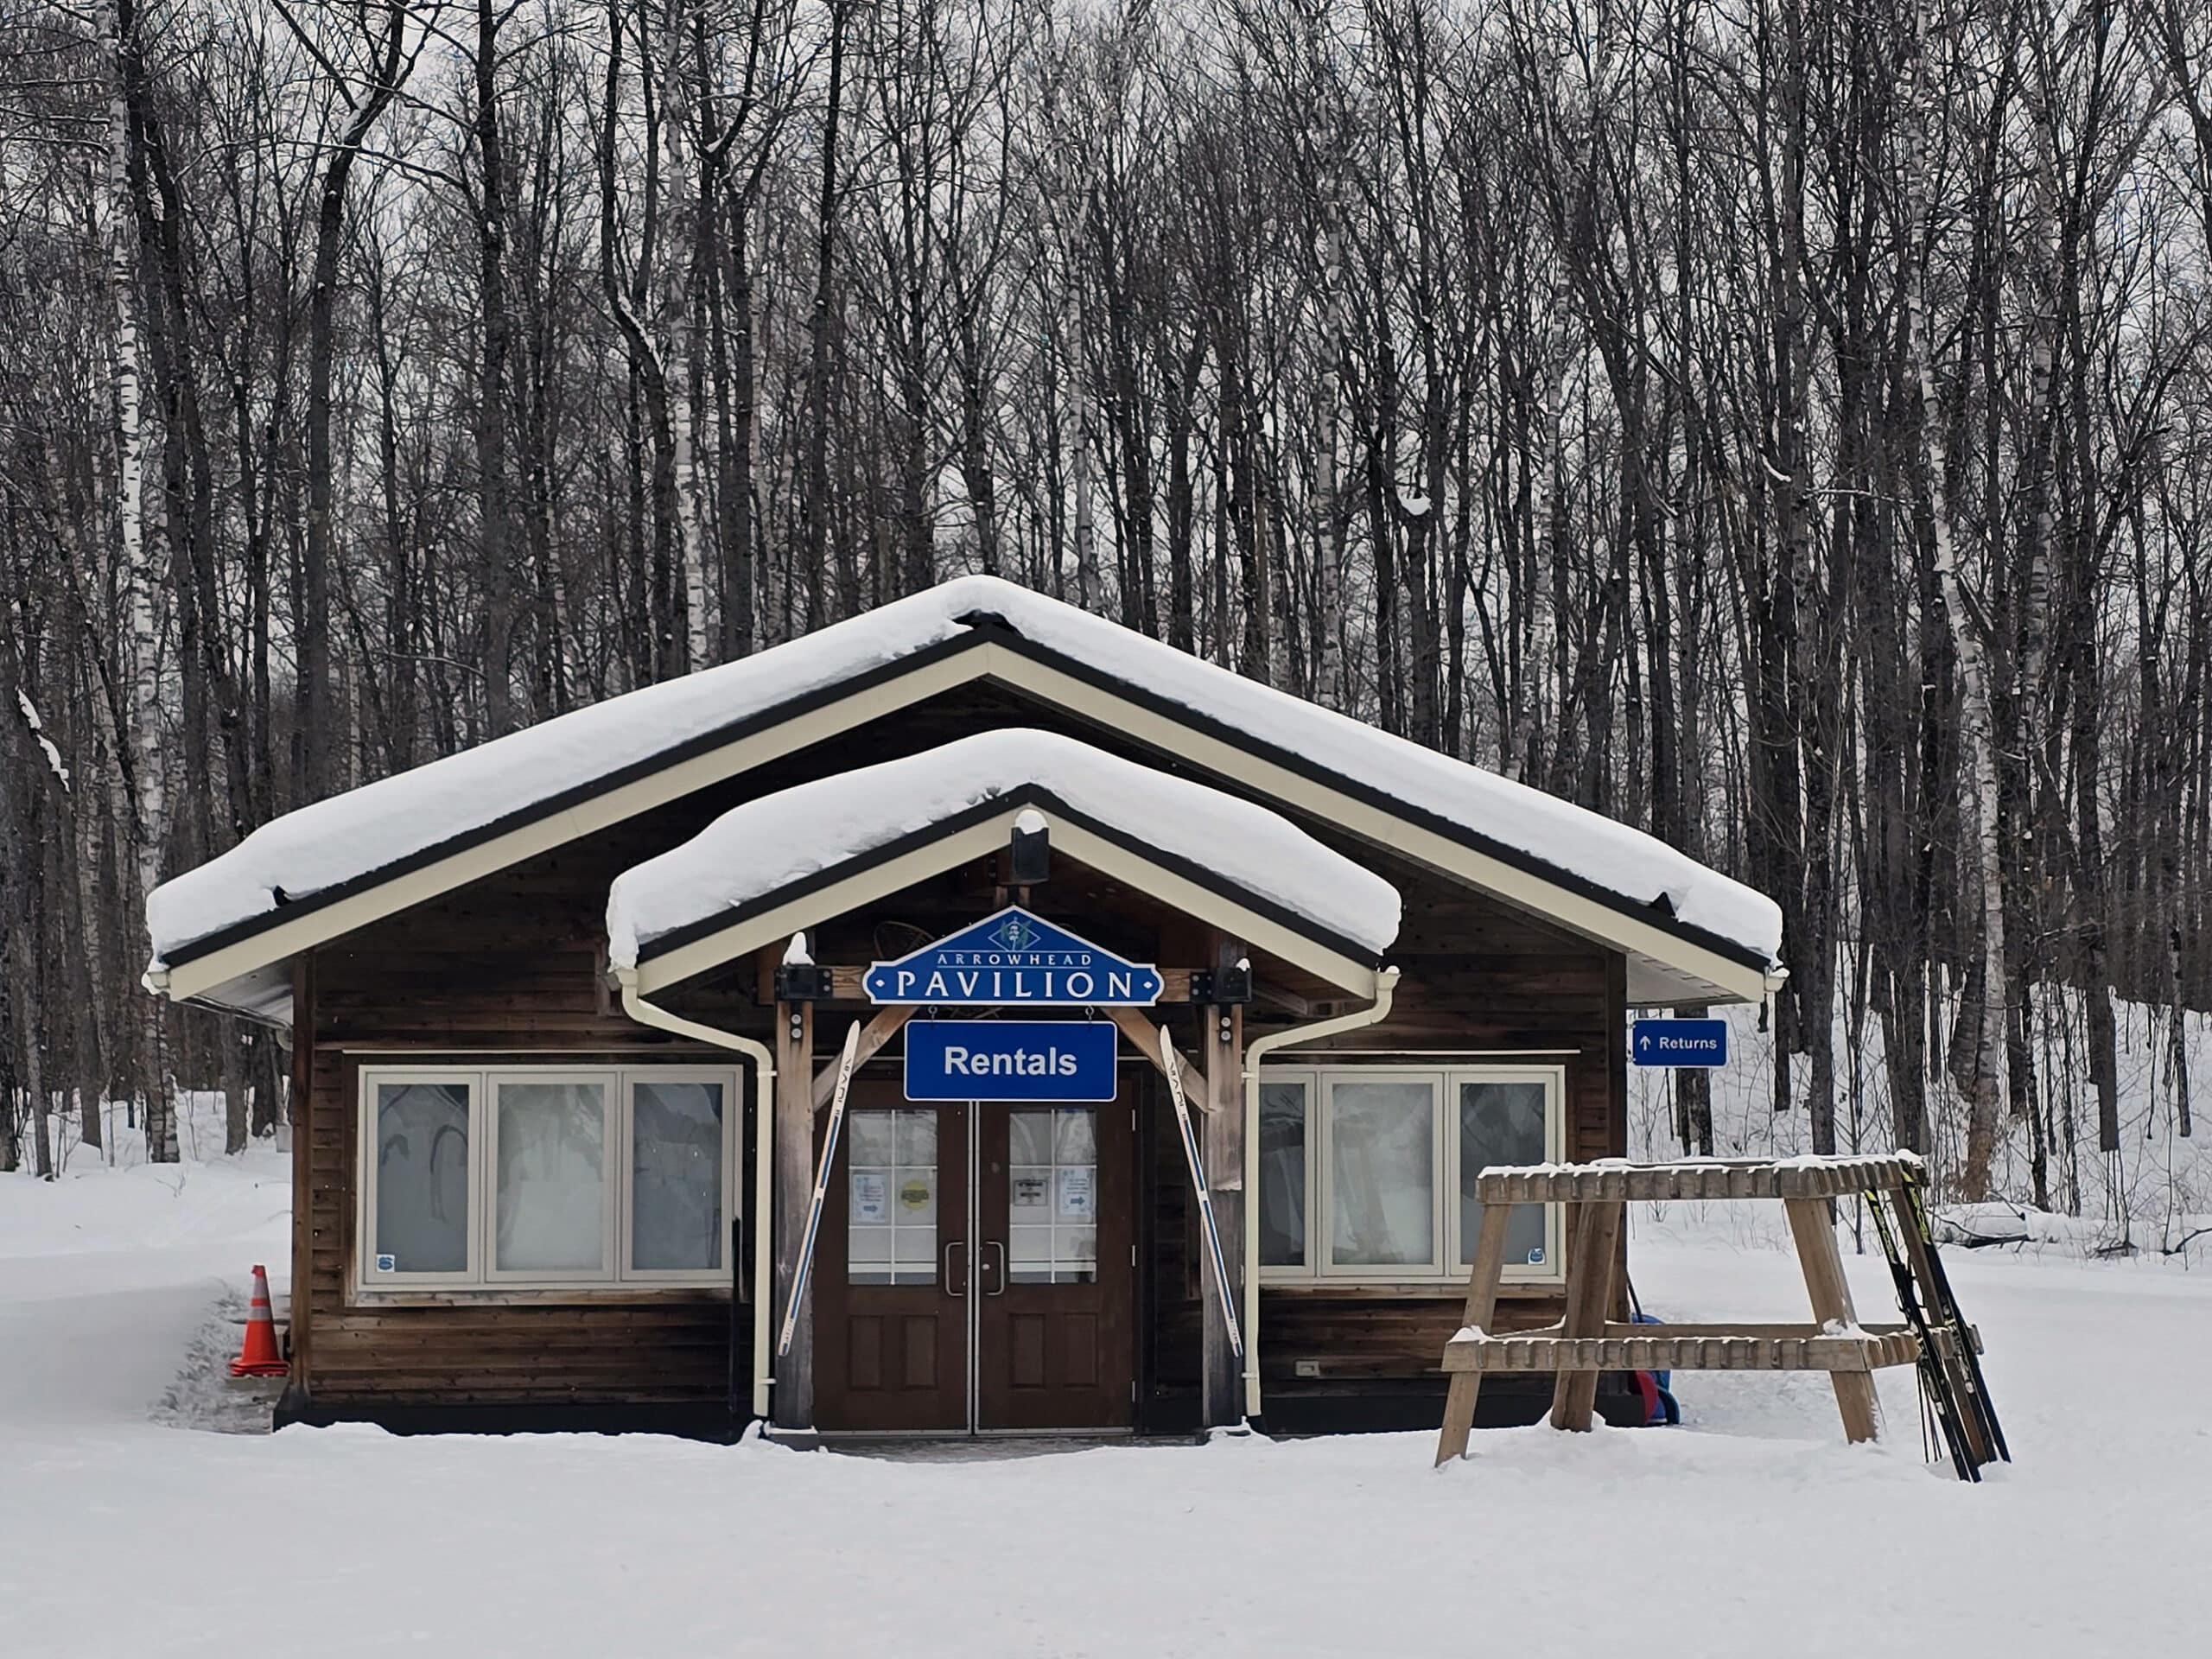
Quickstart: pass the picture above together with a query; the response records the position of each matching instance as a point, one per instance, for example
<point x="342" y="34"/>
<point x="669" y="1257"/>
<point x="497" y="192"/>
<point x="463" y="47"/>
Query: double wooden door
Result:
<point x="975" y="1272"/>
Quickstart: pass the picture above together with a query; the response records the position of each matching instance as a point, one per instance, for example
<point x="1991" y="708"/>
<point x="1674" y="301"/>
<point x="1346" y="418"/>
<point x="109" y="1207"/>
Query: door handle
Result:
<point x="952" y="1286"/>
<point x="998" y="1244"/>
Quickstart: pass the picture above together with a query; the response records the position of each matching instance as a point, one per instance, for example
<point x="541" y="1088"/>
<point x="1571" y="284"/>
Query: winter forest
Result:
<point x="1784" y="427"/>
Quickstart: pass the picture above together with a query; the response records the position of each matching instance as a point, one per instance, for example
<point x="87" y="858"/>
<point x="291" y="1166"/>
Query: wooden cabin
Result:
<point x="567" y="1014"/>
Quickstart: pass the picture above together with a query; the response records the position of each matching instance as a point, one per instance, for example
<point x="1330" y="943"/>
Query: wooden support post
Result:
<point x="300" y="1321"/>
<point x="1222" y="1137"/>
<point x="1815" y="1231"/>
<point x="1144" y="1037"/>
<point x="878" y="1030"/>
<point x="1596" y="1233"/>
<point x="1481" y="1303"/>
<point x="794" y="1184"/>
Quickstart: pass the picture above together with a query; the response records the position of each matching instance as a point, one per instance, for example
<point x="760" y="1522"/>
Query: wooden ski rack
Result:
<point x="1589" y="1339"/>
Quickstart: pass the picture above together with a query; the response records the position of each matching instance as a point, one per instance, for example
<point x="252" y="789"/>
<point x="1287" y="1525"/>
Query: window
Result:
<point x="546" y="1178"/>
<point x="1283" y="1172"/>
<point x="891" y="1223"/>
<point x="1052" y="1195"/>
<point x="1350" y="1160"/>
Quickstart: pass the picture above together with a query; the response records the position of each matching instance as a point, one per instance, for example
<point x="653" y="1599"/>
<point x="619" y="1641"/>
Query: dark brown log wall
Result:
<point x="514" y="963"/>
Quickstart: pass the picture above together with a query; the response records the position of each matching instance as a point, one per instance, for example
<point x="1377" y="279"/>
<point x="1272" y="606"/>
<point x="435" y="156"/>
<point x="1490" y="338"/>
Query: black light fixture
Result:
<point x="1231" y="983"/>
<point x="798" y="978"/>
<point x="1029" y="850"/>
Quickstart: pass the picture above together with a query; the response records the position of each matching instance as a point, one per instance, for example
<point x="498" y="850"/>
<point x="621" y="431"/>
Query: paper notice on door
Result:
<point x="1029" y="1192"/>
<point x="871" y="1197"/>
<point x="1078" y="1189"/>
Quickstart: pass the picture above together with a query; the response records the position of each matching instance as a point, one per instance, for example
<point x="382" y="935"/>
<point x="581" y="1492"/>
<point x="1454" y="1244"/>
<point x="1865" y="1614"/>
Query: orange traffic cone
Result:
<point x="259" y="1356"/>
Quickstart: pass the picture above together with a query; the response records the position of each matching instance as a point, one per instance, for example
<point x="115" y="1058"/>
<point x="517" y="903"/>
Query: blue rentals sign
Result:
<point x="1009" y="1059"/>
<point x="1679" y="1042"/>
<point x="1014" y="958"/>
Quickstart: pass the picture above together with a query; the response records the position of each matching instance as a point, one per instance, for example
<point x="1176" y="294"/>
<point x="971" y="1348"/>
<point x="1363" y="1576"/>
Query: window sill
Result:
<point x="367" y="1299"/>
<point x="1430" y="1290"/>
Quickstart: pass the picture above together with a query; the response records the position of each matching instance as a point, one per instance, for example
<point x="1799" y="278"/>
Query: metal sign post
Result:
<point x="821" y="1190"/>
<point x="1173" y="1068"/>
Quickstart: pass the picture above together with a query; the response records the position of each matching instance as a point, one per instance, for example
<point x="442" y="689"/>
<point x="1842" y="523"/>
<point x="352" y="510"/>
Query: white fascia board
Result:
<point x="557" y="829"/>
<point x="1731" y="980"/>
<point x="777" y="924"/>
<point x="979" y="840"/>
<point x="1736" y="980"/>
<point x="1194" y="899"/>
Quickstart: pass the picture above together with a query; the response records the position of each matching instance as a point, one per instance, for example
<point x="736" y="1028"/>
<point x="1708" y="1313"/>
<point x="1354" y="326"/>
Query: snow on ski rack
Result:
<point x="1697" y="1178"/>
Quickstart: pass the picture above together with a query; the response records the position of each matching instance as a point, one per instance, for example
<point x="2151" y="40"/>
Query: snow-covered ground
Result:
<point x="1753" y="1530"/>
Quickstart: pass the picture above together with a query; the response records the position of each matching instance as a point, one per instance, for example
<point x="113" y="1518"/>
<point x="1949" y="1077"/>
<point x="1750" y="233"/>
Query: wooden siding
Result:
<point x="513" y="963"/>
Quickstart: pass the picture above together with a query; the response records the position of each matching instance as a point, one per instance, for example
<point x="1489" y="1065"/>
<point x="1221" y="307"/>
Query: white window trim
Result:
<point x="1444" y="1231"/>
<point x="733" y="1114"/>
<point x="1552" y="1269"/>
<point x="365" y="1233"/>
<point x="612" y="1145"/>
<point x="1319" y="1148"/>
<point x="480" y="1275"/>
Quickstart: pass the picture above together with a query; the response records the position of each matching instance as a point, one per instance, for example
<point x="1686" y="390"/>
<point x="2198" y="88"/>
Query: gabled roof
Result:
<point x="787" y="860"/>
<point x="1689" y="932"/>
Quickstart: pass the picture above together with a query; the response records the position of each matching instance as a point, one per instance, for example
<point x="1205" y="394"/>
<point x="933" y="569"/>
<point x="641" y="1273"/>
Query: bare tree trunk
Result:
<point x="1978" y="1072"/>
<point x="680" y="196"/>
<point x="147" y="759"/>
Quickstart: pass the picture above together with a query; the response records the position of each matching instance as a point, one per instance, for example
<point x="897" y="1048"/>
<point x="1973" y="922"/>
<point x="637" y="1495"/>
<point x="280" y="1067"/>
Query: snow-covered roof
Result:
<point x="768" y="846"/>
<point x="569" y="769"/>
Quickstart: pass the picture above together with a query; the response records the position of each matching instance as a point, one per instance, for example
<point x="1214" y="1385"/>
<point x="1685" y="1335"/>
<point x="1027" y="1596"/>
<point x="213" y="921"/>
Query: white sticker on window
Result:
<point x="871" y="1196"/>
<point x="1536" y="1256"/>
<point x="1076" y="1190"/>
<point x="387" y="1263"/>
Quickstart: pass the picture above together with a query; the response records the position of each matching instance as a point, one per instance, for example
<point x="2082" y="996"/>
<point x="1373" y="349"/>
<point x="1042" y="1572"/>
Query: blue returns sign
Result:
<point x="1009" y="1059"/>
<point x="1679" y="1042"/>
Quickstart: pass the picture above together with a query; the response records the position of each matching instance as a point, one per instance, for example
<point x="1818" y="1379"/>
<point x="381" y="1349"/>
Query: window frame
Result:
<point x="732" y="1194"/>
<point x="1447" y="1268"/>
<point x="482" y="1277"/>
<point x="372" y="1077"/>
<point x="611" y="1144"/>
<point x="1552" y="1269"/>
<point x="1326" y="1266"/>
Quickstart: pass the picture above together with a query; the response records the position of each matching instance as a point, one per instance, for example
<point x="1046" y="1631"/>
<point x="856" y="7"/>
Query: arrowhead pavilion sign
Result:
<point x="1679" y="1042"/>
<point x="1014" y="958"/>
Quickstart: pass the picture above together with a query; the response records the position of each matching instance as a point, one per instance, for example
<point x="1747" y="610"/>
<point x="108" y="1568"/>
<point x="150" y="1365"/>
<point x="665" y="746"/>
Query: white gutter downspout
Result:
<point x="764" y="1119"/>
<point x="1386" y="983"/>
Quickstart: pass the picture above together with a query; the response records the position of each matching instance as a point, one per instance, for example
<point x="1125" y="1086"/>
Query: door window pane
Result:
<point x="1052" y="1196"/>
<point x="1383" y="1172"/>
<point x="549" y="1194"/>
<point x="890" y="1197"/>
<point x="1282" y="1174"/>
<point x="675" y="1176"/>
<point x="422" y="1180"/>
<point x="1501" y="1123"/>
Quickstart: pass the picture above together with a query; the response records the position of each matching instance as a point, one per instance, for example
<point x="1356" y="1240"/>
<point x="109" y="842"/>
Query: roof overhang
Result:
<point x="1670" y="961"/>
<point x="858" y="882"/>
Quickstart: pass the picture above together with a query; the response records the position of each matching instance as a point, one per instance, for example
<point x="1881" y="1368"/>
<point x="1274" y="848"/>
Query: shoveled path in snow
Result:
<point x="1753" y="1530"/>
